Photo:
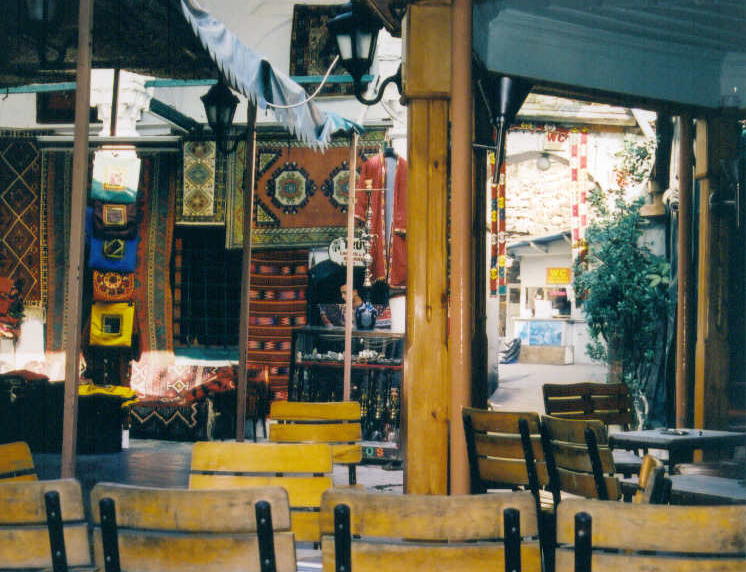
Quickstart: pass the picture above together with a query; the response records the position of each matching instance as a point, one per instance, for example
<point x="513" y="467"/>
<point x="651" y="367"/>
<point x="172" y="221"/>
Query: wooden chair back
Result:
<point x="616" y="537"/>
<point x="163" y="530"/>
<point x="497" y="451"/>
<point x="304" y="470"/>
<point x="39" y="519"/>
<point x="336" y="423"/>
<point x="364" y="532"/>
<point x="578" y="458"/>
<point x="16" y="462"/>
<point x="652" y="482"/>
<point x="610" y="403"/>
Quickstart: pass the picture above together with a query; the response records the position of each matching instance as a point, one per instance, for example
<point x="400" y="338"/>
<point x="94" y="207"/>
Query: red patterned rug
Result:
<point x="279" y="279"/>
<point x="20" y="216"/>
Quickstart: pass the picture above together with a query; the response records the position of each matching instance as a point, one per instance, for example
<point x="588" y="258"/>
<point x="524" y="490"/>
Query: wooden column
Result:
<point x="462" y="290"/>
<point x="74" y="286"/>
<point x="685" y="318"/>
<point x="426" y="394"/>
<point x="243" y="317"/>
<point x="715" y="140"/>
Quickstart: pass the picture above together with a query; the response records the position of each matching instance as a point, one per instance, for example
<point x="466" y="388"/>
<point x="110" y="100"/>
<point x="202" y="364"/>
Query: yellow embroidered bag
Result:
<point x="111" y="324"/>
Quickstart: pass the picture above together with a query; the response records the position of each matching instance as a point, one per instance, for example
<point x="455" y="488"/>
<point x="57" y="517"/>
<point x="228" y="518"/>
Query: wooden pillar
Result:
<point x="426" y="394"/>
<point x="243" y="317"/>
<point x="461" y="331"/>
<point x="74" y="286"/>
<point x="685" y="318"/>
<point x="716" y="139"/>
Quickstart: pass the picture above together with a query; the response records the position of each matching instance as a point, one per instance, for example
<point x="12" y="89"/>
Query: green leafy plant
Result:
<point x="623" y="287"/>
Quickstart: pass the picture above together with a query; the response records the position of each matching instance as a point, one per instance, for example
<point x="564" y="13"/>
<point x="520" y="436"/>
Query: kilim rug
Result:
<point x="279" y="279"/>
<point x="301" y="194"/>
<point x="21" y="240"/>
<point x="201" y="200"/>
<point x="57" y="180"/>
<point x="153" y="298"/>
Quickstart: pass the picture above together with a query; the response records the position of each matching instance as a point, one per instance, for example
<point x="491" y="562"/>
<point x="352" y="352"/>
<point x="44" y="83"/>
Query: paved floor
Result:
<point x="519" y="386"/>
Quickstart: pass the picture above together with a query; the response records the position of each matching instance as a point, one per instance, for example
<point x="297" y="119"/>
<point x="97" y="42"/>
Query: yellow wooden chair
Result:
<point x="373" y="532"/>
<point x="16" y="462"/>
<point x="148" y="529"/>
<point x="42" y="526"/>
<point x="336" y="423"/>
<point x="653" y="487"/>
<point x="627" y="537"/>
<point x="304" y="470"/>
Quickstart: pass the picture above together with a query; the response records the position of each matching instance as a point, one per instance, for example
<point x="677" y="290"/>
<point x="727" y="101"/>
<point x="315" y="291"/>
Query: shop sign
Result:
<point x="338" y="251"/>
<point x="559" y="275"/>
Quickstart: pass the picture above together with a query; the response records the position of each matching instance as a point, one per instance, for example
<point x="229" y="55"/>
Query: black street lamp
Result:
<point x="220" y="107"/>
<point x="355" y="32"/>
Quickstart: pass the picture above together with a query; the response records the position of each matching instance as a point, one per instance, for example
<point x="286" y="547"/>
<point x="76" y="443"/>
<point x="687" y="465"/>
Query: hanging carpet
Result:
<point x="21" y="237"/>
<point x="279" y="279"/>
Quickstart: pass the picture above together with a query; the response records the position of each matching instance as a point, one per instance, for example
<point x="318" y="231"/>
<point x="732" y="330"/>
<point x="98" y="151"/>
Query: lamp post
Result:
<point x="220" y="108"/>
<point x="355" y="32"/>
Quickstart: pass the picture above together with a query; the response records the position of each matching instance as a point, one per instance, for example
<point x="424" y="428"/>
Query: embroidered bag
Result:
<point x="116" y="175"/>
<point x="111" y="220"/>
<point x="113" y="255"/>
<point x="113" y="286"/>
<point x="111" y="324"/>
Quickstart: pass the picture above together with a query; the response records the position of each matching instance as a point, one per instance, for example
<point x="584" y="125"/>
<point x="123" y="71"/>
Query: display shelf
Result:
<point x="375" y="383"/>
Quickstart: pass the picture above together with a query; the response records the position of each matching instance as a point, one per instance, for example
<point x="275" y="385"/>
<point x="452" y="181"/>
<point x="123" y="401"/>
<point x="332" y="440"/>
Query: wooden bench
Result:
<point x="39" y="519"/>
<point x="375" y="532"/>
<point x="336" y="423"/>
<point x="625" y="537"/>
<point x="16" y="462"/>
<point x="304" y="470"/>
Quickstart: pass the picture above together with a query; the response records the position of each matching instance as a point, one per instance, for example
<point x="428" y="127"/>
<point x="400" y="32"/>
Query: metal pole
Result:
<point x="74" y="287"/>
<point x="462" y="271"/>
<point x="352" y="186"/>
<point x="685" y="306"/>
<point x="243" y="321"/>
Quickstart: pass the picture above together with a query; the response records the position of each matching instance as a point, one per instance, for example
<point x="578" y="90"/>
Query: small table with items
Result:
<point x="680" y="443"/>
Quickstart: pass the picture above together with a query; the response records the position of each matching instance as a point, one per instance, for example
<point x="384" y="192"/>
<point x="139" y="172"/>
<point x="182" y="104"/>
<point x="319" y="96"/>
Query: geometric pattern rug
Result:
<point x="279" y="279"/>
<point x="20" y="216"/>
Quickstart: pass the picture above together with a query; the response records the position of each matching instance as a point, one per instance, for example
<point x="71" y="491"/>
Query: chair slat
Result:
<point x="574" y="432"/>
<point x="462" y="558"/>
<point x="302" y="491"/>
<point x="299" y="411"/>
<point x="460" y="517"/>
<point x="16" y="462"/>
<point x="269" y="457"/>
<point x="584" y="484"/>
<point x="184" y="509"/>
<point x="503" y="445"/>
<point x="565" y="560"/>
<point x="644" y="527"/>
<point x="509" y="472"/>
<point x="305" y="432"/>
<point x="196" y="552"/>
<point x="576" y="458"/>
<point x="506" y="422"/>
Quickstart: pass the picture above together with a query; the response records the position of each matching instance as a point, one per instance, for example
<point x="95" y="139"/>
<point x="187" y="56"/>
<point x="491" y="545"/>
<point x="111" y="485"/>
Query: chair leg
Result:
<point x="253" y="427"/>
<point x="266" y="537"/>
<point x="109" y="535"/>
<point x="342" y="539"/>
<point x="352" y="474"/>
<point x="583" y="542"/>
<point x="512" y="526"/>
<point x="56" y="533"/>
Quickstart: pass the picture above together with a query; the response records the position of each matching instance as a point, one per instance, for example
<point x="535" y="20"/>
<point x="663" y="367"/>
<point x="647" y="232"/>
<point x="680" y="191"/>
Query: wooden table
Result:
<point x="680" y="445"/>
<point x="706" y="489"/>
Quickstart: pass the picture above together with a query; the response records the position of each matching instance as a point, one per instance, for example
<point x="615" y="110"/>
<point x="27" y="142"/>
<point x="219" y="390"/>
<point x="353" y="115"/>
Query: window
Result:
<point x="207" y="288"/>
